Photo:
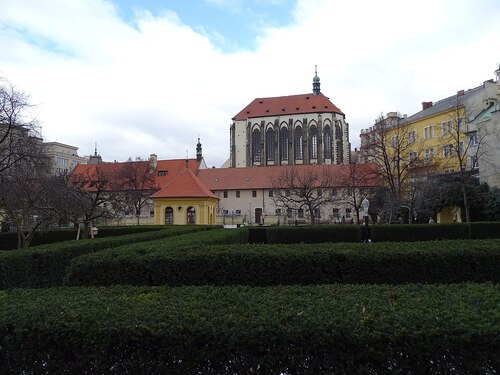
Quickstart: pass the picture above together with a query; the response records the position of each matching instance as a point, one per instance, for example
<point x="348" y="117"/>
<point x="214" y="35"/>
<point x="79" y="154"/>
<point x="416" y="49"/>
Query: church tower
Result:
<point x="290" y="130"/>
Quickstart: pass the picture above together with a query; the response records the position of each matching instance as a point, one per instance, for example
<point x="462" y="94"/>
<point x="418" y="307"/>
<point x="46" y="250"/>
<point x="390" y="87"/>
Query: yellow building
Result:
<point x="185" y="200"/>
<point x="435" y="138"/>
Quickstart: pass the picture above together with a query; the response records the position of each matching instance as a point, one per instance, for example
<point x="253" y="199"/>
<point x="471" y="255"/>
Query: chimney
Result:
<point x="153" y="163"/>
<point x="426" y="105"/>
<point x="460" y="93"/>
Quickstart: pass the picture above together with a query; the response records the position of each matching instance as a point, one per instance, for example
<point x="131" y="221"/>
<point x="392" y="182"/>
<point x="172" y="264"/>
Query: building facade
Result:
<point x="290" y="130"/>
<point x="64" y="158"/>
<point x="436" y="137"/>
<point x="484" y="133"/>
<point x="185" y="201"/>
<point x="148" y="177"/>
<point x="253" y="196"/>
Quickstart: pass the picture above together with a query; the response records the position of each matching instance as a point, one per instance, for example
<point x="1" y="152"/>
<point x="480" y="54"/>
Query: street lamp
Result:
<point x="366" y="205"/>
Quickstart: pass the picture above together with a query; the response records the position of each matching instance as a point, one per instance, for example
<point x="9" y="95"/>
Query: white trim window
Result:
<point x="473" y="141"/>
<point x="474" y="162"/>
<point x="429" y="154"/>
<point x="412" y="136"/>
<point x="429" y="132"/>
<point x="446" y="127"/>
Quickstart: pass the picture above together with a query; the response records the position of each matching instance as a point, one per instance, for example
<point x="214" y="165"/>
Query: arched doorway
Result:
<point x="169" y="215"/>
<point x="191" y="215"/>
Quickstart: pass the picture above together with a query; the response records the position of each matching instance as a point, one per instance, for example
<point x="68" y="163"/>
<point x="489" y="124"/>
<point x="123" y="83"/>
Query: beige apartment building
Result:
<point x="64" y="158"/>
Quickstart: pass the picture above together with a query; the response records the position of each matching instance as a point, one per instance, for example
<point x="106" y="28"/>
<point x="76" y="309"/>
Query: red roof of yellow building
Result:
<point x="287" y="105"/>
<point x="184" y="185"/>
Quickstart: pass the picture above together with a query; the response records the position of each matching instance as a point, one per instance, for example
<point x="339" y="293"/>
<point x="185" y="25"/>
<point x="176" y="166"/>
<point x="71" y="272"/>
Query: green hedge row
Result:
<point x="335" y="329"/>
<point x="47" y="265"/>
<point x="8" y="241"/>
<point x="312" y="234"/>
<point x="378" y="233"/>
<point x="197" y="263"/>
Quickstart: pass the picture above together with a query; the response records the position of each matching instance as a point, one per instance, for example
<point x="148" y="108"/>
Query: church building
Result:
<point x="290" y="130"/>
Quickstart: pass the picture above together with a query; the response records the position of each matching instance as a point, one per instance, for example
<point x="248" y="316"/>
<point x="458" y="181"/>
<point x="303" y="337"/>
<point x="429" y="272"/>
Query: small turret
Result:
<point x="198" y="151"/>
<point x="316" y="84"/>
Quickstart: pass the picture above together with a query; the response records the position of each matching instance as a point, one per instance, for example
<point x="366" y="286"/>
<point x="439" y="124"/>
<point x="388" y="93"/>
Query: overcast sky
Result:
<point x="151" y="76"/>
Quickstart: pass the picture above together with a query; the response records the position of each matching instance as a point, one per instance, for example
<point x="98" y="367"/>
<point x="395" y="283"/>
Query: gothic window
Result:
<point x="270" y="144"/>
<point x="313" y="142"/>
<point x="256" y="145"/>
<point x="298" y="143"/>
<point x="191" y="215"/>
<point x="328" y="142"/>
<point x="284" y="144"/>
<point x="338" y="132"/>
<point x="169" y="215"/>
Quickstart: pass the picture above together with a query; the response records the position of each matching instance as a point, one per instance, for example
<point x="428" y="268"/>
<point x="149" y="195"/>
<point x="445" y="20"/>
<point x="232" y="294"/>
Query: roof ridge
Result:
<point x="201" y="188"/>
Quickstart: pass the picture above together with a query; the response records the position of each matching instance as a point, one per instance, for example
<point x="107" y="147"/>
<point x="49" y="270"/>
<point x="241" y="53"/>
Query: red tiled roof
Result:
<point x="287" y="105"/>
<point x="184" y="185"/>
<point x="251" y="178"/>
<point x="164" y="173"/>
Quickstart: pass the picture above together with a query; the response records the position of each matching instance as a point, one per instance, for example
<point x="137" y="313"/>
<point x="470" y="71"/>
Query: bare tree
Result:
<point x="394" y="146"/>
<point x="303" y="188"/>
<point x="461" y="149"/>
<point x="89" y="195"/>
<point x="356" y="180"/>
<point x="28" y="198"/>
<point x="136" y="183"/>
<point x="18" y="129"/>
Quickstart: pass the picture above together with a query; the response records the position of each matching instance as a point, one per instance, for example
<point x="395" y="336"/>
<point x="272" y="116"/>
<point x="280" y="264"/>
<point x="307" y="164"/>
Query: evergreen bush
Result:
<point x="46" y="265"/>
<point x="329" y="329"/>
<point x="197" y="262"/>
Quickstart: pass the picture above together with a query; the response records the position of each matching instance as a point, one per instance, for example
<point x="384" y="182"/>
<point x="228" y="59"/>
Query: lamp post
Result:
<point x="366" y="205"/>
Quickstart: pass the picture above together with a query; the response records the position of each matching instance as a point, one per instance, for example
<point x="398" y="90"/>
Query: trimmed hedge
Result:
<point x="46" y="265"/>
<point x="421" y="232"/>
<point x="188" y="260"/>
<point x="336" y="329"/>
<point x="8" y="241"/>
<point x="485" y="230"/>
<point x="378" y="233"/>
<point x="313" y="234"/>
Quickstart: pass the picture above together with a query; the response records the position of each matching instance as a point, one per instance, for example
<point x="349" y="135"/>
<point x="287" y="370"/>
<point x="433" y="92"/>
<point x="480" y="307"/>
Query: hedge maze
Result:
<point x="190" y="300"/>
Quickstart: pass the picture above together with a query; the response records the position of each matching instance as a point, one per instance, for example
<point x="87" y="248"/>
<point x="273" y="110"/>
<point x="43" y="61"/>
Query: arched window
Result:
<point x="298" y="143"/>
<point x="256" y="145"/>
<point x="191" y="215"/>
<point x="338" y="132"/>
<point x="328" y="142"/>
<point x="169" y="215"/>
<point x="313" y="142"/>
<point x="284" y="144"/>
<point x="270" y="144"/>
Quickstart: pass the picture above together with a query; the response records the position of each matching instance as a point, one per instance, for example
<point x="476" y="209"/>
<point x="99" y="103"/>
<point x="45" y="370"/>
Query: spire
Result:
<point x="198" y="151"/>
<point x="316" y="84"/>
<point x="96" y="158"/>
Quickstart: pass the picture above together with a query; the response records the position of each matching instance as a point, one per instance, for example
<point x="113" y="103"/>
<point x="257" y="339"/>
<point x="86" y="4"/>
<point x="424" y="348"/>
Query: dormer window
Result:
<point x="162" y="173"/>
